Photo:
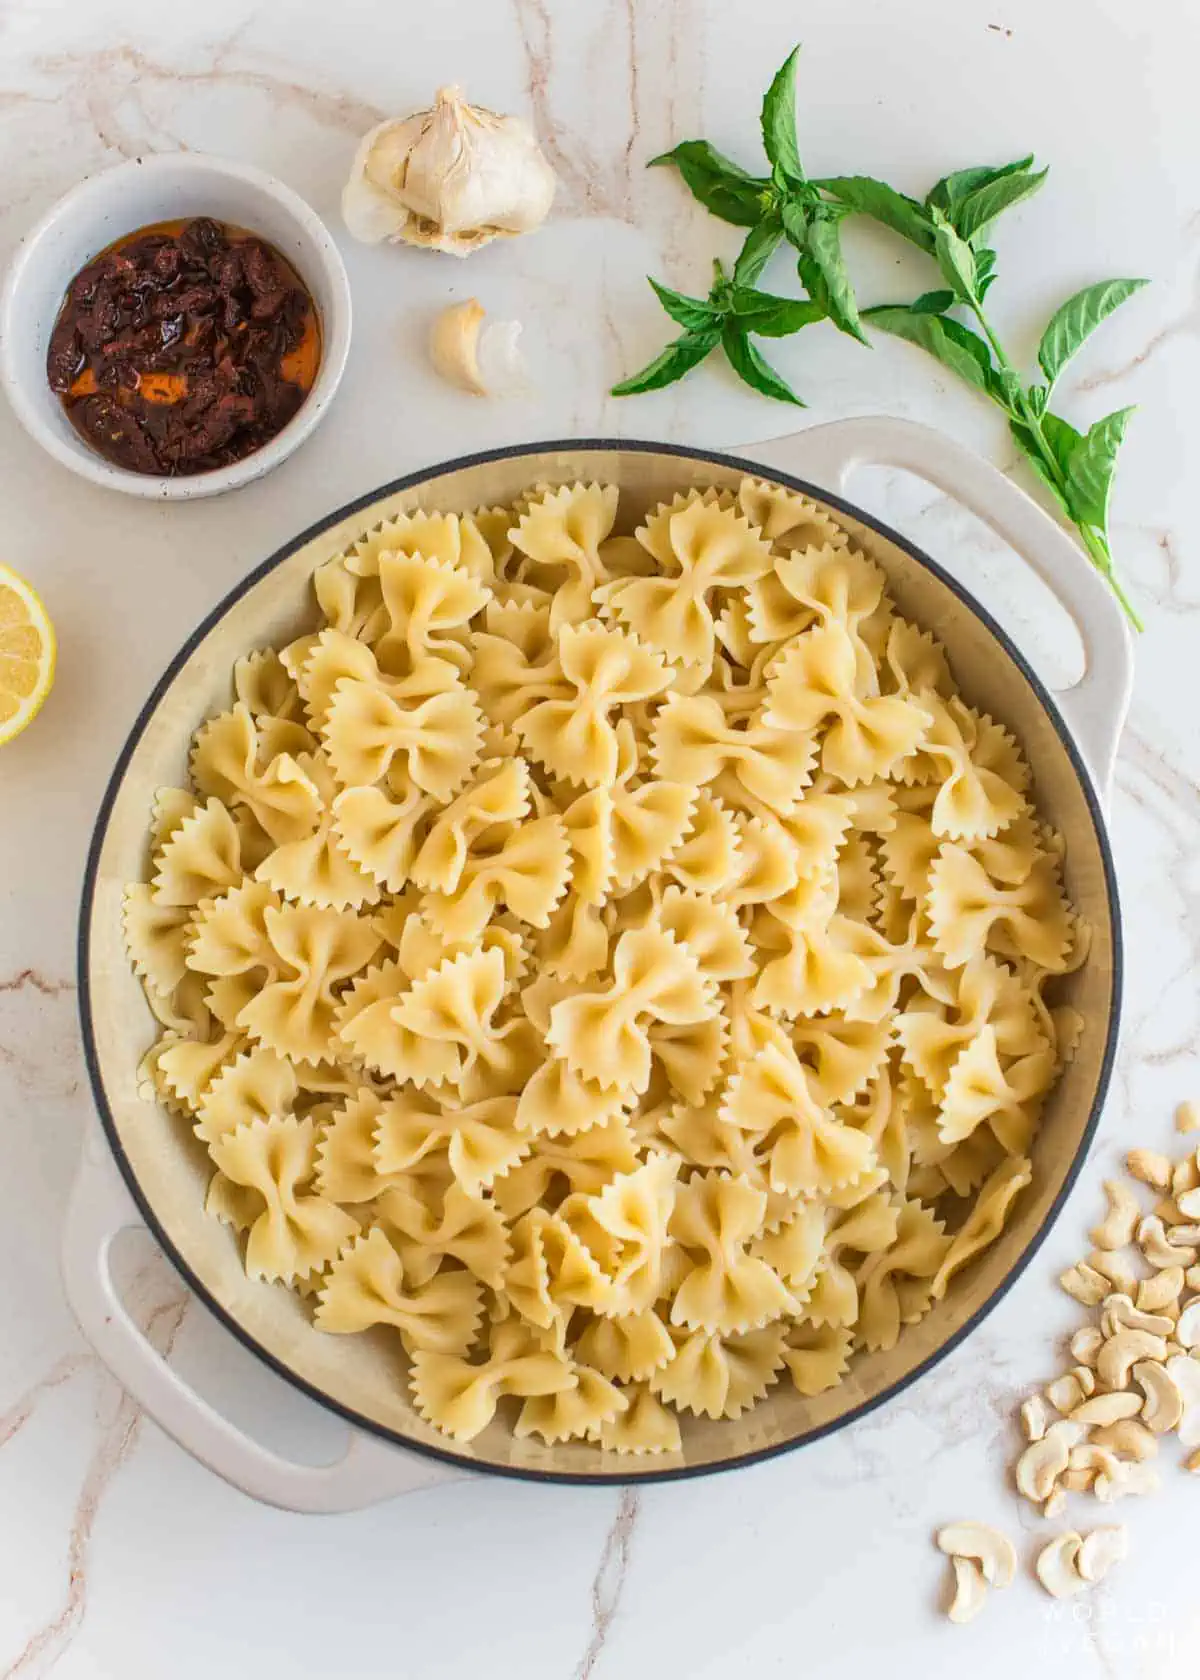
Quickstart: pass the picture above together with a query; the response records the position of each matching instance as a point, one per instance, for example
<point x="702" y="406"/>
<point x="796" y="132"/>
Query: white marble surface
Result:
<point x="119" y="1557"/>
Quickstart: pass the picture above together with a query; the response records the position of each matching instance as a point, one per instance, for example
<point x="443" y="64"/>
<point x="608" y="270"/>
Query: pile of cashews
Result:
<point x="1134" y="1379"/>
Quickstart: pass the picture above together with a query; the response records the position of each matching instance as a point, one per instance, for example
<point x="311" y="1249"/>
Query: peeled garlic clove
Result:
<point x="482" y="359"/>
<point x="451" y="178"/>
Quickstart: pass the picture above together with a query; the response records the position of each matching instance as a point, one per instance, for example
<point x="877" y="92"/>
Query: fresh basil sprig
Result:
<point x="953" y="225"/>
<point x="733" y="312"/>
<point x="781" y="206"/>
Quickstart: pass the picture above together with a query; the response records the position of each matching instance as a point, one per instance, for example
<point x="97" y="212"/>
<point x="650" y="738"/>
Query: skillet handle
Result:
<point x="1095" y="706"/>
<point x="370" y="1470"/>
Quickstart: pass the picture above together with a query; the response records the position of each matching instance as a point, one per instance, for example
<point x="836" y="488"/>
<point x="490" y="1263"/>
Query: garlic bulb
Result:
<point x="452" y="178"/>
<point x="484" y="360"/>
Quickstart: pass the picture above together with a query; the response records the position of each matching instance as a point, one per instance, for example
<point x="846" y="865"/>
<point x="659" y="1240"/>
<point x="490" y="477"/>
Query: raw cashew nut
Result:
<point x="1184" y="1372"/>
<point x="1121" y="1352"/>
<point x="1100" y="1550"/>
<point x="1057" y="1502"/>
<point x="1121" y="1221"/>
<point x="1160" y="1292"/>
<point x="1086" y="1344"/>
<point x="1034" y="1417"/>
<point x="1185" y="1176"/>
<point x="1085" y="1285"/>
<point x="1132" y="1479"/>
<point x="1187" y="1117"/>
<point x="1098" y="1460"/>
<point x="1086" y="1378"/>
<point x="1192" y="1463"/>
<point x="1057" y="1566"/>
<point x="1121" y="1314"/>
<point x="1041" y="1464"/>
<point x="1163" y="1408"/>
<point x="1116" y="1267"/>
<point x="1065" y="1394"/>
<point x="1192" y="1278"/>
<point x="1129" y="1437"/>
<point x="1187" y="1330"/>
<point x="1081" y="1480"/>
<point x="994" y="1552"/>
<point x="1183" y="1236"/>
<point x="1149" y="1167"/>
<point x="1103" y="1409"/>
<point x="1189" y="1204"/>
<point x="1152" y="1239"/>
<point x="970" y="1590"/>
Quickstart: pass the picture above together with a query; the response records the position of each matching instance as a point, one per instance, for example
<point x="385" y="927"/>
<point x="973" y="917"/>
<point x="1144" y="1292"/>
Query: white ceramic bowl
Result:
<point x="117" y="202"/>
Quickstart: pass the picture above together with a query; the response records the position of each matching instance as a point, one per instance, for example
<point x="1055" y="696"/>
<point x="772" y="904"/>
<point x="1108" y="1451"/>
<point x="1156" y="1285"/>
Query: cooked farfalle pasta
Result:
<point x="615" y="960"/>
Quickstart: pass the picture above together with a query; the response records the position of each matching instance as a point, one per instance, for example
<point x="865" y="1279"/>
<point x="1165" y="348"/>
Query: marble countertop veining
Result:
<point x="121" y="1559"/>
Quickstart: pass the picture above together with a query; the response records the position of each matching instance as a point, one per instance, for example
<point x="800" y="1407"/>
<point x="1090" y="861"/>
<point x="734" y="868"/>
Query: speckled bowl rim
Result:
<point x="646" y="1473"/>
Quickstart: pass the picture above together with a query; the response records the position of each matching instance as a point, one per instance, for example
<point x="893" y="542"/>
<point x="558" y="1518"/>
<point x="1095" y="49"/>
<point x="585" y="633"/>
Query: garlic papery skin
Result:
<point x="484" y="360"/>
<point x="451" y="178"/>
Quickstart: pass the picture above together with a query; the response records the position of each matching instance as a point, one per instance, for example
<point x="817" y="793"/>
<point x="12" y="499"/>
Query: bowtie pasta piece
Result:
<point x="438" y="740"/>
<point x="499" y="795"/>
<point x="620" y="963"/>
<point x="602" y="1034"/>
<point x="478" y="1141"/>
<point x="316" y="950"/>
<point x="692" y="743"/>
<point x="200" y="856"/>
<point x="969" y="913"/>
<point x="574" y="737"/>
<point x="813" y="684"/>
<point x="805" y="1149"/>
<point x="563" y="532"/>
<point x="721" y="1376"/>
<point x="461" y="1397"/>
<point x="466" y="1228"/>
<point x="427" y="601"/>
<point x="725" y="1290"/>
<point x="379" y="833"/>
<point x="366" y="1285"/>
<point x="524" y="867"/>
<point x="297" y="1233"/>
<point x="232" y="760"/>
<point x="701" y="546"/>
<point x="787" y="517"/>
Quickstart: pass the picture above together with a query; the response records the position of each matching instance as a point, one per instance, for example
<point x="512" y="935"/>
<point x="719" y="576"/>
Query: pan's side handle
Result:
<point x="1095" y="707"/>
<point x="370" y="1470"/>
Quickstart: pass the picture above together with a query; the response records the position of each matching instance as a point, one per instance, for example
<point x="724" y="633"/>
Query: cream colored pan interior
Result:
<point x="363" y="1375"/>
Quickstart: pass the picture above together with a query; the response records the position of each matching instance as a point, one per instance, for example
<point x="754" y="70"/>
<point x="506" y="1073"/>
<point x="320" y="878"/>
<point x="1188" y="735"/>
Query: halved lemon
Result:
<point x="27" y="653"/>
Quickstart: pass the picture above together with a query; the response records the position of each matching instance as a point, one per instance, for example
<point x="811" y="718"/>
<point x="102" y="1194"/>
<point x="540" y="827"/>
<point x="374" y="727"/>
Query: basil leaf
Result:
<point x="770" y="316"/>
<point x="1078" y="317"/>
<point x="932" y="303"/>
<point x="956" y="261"/>
<point x="985" y="271"/>
<point x="679" y="357"/>
<point x="867" y="197"/>
<point x="1092" y="465"/>
<point x="1062" y="437"/>
<point x="1038" y="397"/>
<point x="836" y="291"/>
<point x="720" y="185"/>
<point x="1030" y="448"/>
<point x="950" y="191"/>
<point x="954" y="345"/>
<point x="979" y="209"/>
<point x="759" y="247"/>
<point x="753" y="369"/>
<point x="693" y="313"/>
<point x="779" y="121"/>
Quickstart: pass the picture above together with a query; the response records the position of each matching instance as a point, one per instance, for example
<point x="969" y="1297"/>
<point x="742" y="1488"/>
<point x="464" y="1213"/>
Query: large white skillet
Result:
<point x="1072" y="740"/>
